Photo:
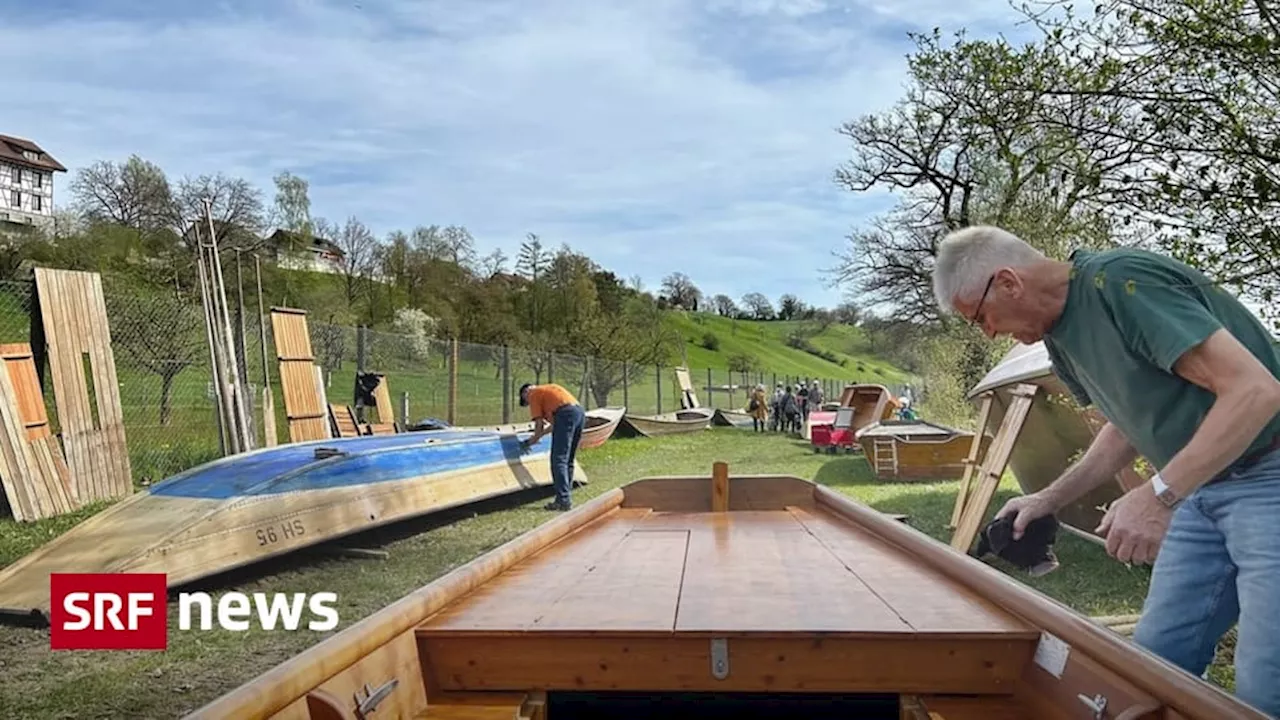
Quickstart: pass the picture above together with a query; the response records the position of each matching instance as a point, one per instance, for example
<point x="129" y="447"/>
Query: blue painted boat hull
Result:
<point x="245" y="508"/>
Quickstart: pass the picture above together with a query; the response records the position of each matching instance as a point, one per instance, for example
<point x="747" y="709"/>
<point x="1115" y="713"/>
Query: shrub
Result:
<point x="710" y="341"/>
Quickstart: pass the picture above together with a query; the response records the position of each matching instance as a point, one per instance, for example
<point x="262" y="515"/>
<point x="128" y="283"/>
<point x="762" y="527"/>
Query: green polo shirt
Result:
<point x="1129" y="316"/>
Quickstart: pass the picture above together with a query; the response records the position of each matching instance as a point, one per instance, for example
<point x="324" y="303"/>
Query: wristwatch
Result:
<point x="1164" y="493"/>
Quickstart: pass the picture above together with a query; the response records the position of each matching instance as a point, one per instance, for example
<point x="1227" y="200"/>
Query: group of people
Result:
<point x="786" y="411"/>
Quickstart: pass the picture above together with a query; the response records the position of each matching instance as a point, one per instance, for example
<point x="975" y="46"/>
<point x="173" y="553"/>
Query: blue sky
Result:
<point x="654" y="135"/>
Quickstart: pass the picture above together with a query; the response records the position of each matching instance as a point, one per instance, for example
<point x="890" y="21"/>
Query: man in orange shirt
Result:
<point x="553" y="404"/>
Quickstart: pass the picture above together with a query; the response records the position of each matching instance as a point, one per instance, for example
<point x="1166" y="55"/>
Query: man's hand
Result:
<point x="1025" y="509"/>
<point x="1134" y="526"/>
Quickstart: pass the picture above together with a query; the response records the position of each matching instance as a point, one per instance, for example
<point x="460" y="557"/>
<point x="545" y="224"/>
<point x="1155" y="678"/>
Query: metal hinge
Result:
<point x="719" y="658"/>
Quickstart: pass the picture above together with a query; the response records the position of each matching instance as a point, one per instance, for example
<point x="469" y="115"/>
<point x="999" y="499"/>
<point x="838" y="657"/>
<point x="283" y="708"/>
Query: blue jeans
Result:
<point x="1219" y="564"/>
<point x="566" y="432"/>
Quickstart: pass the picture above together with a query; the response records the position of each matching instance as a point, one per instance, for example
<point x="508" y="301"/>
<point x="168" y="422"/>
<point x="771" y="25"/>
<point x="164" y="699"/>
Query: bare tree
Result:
<point x="160" y="333"/>
<point x="359" y="255"/>
<point x="134" y="194"/>
<point x="236" y="206"/>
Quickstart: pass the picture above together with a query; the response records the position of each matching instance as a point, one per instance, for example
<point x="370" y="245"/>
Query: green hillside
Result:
<point x="766" y="341"/>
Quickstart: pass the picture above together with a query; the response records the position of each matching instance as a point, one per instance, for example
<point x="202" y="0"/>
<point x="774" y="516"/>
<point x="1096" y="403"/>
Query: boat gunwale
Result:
<point x="1151" y="674"/>
<point x="302" y="673"/>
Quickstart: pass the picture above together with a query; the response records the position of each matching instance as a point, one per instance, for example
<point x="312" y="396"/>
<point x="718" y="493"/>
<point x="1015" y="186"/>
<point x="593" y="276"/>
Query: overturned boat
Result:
<point x="1055" y="434"/>
<point x="680" y="421"/>
<point x="248" y="507"/>
<point x="732" y="418"/>
<point x="768" y="594"/>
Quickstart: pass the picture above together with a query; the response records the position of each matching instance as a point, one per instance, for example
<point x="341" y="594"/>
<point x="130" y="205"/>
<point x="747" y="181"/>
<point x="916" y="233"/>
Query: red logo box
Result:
<point x="108" y="611"/>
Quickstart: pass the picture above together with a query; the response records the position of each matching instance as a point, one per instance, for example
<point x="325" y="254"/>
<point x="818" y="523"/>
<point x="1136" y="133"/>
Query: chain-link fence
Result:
<point x="161" y="351"/>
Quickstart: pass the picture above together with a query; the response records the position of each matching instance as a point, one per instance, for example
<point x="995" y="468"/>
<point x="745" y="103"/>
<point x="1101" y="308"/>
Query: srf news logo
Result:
<point x="128" y="611"/>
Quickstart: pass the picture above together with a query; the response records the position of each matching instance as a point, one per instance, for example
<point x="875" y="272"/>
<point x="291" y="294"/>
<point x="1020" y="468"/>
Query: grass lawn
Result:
<point x="38" y="683"/>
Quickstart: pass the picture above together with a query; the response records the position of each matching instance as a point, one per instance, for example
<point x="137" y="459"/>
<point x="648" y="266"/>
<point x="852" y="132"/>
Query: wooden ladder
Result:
<point x="882" y="447"/>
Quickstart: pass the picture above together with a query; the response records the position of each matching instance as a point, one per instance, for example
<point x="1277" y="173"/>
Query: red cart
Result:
<point x="835" y="436"/>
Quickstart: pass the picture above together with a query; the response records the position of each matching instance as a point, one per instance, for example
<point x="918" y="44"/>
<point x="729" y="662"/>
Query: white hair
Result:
<point x="968" y="257"/>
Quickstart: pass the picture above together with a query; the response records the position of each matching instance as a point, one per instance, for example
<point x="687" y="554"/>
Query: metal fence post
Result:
<point x="506" y="384"/>
<point x="658" y="374"/>
<point x="626" y="393"/>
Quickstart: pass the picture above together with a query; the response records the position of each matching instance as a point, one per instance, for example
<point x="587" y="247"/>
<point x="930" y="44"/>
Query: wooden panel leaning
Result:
<point x="993" y="467"/>
<point x="304" y="406"/>
<point x="76" y="333"/>
<point x="35" y="475"/>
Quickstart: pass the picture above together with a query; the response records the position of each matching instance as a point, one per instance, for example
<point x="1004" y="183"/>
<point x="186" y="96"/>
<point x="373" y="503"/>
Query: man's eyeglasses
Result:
<point x="982" y="300"/>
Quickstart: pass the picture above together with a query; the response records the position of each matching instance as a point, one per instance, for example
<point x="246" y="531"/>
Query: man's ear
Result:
<point x="1008" y="281"/>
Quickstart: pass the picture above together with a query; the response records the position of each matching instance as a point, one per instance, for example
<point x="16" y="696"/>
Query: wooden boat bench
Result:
<point x="770" y="587"/>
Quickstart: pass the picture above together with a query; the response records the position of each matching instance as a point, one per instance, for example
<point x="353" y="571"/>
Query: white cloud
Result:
<point x="657" y="136"/>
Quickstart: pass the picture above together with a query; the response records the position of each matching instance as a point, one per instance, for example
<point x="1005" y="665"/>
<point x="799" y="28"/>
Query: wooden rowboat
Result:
<point x="601" y="424"/>
<point x="771" y="592"/>
<point x="732" y="418"/>
<point x="248" y="507"/>
<point x="917" y="450"/>
<point x="679" y="421"/>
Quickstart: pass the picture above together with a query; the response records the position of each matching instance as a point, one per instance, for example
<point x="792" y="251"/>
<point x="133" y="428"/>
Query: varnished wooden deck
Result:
<point x="773" y="572"/>
<point x="794" y="598"/>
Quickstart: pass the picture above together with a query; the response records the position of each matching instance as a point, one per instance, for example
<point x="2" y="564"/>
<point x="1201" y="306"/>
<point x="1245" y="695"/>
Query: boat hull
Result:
<point x="681" y="421"/>
<point x="601" y="424"/>
<point x="732" y="418"/>
<point x="755" y="584"/>
<point x="1056" y="433"/>
<point x="922" y="451"/>
<point x="250" y="507"/>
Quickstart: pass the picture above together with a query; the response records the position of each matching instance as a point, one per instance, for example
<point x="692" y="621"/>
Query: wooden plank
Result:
<point x="74" y="320"/>
<point x="720" y="487"/>
<point x="304" y="402"/>
<point x="16" y="462"/>
<point x="808" y="590"/>
<point x="681" y="663"/>
<point x="993" y="468"/>
<point x="927" y="600"/>
<point x="973" y="460"/>
<point x="382" y="400"/>
<point x="344" y="419"/>
<point x="524" y="593"/>
<point x="19" y="363"/>
<point x="268" y="418"/>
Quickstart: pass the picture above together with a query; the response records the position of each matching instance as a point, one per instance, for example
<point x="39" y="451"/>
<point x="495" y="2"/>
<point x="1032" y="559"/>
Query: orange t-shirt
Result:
<point x="546" y="399"/>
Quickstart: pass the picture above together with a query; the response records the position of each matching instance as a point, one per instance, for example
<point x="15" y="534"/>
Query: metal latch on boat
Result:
<point x="373" y="698"/>
<point x="1097" y="703"/>
<point x="719" y="658"/>
<point x="328" y="452"/>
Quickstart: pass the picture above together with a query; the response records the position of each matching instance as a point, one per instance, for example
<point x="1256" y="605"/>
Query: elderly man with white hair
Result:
<point x="1186" y="377"/>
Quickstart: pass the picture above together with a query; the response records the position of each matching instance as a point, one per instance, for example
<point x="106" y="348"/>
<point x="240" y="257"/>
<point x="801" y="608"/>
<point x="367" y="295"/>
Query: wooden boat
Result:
<point x="244" y="508"/>
<point x="600" y="426"/>
<point x="732" y="418"/>
<point x="917" y="450"/>
<point x="779" y="595"/>
<point x="680" y="421"/>
<point x="1056" y="432"/>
